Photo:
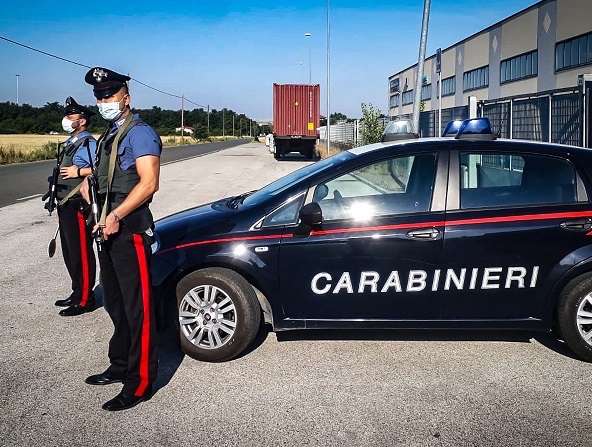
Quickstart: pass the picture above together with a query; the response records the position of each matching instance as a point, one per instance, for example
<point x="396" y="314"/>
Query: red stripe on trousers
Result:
<point x="83" y="258"/>
<point x="145" y="343"/>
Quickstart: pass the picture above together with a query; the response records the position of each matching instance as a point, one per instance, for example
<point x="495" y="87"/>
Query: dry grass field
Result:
<point x="25" y="147"/>
<point x="28" y="143"/>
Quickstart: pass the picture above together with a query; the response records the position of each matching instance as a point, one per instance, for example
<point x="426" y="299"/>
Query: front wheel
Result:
<point x="574" y="316"/>
<point x="219" y="315"/>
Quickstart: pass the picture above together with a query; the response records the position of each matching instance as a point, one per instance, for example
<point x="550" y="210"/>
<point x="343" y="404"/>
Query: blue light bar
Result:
<point x="451" y="128"/>
<point x="475" y="129"/>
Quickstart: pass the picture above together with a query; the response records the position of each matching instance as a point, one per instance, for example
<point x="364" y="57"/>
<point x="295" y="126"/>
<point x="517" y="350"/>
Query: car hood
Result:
<point x="196" y="223"/>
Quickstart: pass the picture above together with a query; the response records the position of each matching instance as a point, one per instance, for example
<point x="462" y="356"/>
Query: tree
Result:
<point x="372" y="128"/>
<point x="335" y="117"/>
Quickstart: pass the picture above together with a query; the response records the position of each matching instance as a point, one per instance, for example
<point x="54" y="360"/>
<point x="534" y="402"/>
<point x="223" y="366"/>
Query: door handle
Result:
<point x="424" y="234"/>
<point x="577" y="224"/>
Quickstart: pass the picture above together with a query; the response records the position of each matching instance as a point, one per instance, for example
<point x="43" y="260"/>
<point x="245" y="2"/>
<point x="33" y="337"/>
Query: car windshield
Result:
<point x="285" y="182"/>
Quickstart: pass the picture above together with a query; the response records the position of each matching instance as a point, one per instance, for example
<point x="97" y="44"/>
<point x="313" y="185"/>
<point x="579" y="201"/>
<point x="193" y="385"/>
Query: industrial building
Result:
<point x="530" y="74"/>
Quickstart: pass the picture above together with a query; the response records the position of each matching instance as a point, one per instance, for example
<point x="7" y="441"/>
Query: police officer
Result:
<point x="75" y="236"/>
<point x="130" y="149"/>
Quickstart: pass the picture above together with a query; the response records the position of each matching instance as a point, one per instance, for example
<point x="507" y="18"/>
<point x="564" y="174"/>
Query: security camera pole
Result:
<point x="420" y="63"/>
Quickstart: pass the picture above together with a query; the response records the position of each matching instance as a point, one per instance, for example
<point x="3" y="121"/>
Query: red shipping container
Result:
<point x="296" y="110"/>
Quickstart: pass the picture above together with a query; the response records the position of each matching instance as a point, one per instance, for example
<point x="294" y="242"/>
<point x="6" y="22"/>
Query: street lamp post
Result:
<point x="17" y="98"/>
<point x="420" y="63"/>
<point x="328" y="77"/>
<point x="309" y="66"/>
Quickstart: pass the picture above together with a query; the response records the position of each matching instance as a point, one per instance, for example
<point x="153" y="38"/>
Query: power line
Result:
<point x="83" y="65"/>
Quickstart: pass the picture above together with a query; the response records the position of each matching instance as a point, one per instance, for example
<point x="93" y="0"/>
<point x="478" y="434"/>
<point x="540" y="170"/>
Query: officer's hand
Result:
<point x="69" y="172"/>
<point x="111" y="226"/>
<point x="84" y="190"/>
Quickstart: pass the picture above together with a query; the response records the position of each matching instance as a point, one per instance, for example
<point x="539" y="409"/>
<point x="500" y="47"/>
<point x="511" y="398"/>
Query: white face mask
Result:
<point x="110" y="110"/>
<point x="67" y="125"/>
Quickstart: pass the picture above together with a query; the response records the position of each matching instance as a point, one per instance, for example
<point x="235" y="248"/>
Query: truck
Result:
<point x="296" y="116"/>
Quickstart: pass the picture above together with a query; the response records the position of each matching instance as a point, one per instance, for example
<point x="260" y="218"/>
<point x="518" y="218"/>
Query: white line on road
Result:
<point x="29" y="197"/>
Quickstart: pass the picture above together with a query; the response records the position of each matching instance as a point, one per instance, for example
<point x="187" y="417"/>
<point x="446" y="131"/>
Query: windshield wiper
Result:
<point x="237" y="200"/>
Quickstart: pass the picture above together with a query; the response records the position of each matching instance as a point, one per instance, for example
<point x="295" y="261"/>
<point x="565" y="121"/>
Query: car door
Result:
<point x="513" y="218"/>
<point x="372" y="257"/>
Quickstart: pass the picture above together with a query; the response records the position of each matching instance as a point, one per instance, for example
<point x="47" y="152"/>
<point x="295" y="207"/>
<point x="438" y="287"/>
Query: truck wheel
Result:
<point x="219" y="315"/>
<point x="574" y="316"/>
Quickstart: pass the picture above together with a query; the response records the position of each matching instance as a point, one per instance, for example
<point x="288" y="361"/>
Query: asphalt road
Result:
<point x="23" y="181"/>
<point x="329" y="388"/>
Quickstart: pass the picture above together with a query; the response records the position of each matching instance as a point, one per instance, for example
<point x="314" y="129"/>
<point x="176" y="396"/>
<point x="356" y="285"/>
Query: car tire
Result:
<point x="574" y="316"/>
<point x="219" y="314"/>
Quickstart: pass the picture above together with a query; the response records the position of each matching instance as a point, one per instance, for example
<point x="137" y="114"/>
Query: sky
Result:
<point x="227" y="54"/>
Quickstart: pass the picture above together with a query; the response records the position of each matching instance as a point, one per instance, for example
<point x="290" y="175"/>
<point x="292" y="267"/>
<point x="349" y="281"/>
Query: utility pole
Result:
<point x="233" y="124"/>
<point x="182" y="122"/>
<point x="307" y="35"/>
<point x="223" y="130"/>
<point x="439" y="71"/>
<point x="208" y="120"/>
<point x="17" y="98"/>
<point x="420" y="63"/>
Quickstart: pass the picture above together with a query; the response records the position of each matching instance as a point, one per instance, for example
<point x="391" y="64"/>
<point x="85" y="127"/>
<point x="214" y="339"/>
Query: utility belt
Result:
<point x="138" y="221"/>
<point x="76" y="202"/>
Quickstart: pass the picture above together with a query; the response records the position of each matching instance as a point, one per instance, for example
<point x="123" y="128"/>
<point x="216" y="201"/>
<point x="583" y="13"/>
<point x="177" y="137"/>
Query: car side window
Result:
<point x="496" y="180"/>
<point x="394" y="186"/>
<point x="285" y="214"/>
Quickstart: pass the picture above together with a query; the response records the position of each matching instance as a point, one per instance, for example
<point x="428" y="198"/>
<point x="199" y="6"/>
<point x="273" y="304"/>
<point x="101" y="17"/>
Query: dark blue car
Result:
<point x="464" y="232"/>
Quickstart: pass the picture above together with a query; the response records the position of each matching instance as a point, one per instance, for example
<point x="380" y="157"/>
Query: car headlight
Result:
<point x="156" y="244"/>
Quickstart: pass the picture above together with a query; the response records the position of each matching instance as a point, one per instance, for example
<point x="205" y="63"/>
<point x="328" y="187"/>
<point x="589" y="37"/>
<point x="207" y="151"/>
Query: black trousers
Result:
<point x="125" y="276"/>
<point x="77" y="249"/>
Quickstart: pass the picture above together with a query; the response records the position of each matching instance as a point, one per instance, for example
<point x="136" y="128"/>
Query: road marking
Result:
<point x="190" y="157"/>
<point x="29" y="197"/>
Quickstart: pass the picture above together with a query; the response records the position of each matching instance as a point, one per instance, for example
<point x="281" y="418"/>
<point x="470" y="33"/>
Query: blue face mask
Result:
<point x="110" y="110"/>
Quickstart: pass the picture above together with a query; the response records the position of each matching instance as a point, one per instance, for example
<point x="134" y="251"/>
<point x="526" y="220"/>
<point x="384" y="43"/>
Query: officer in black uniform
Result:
<point x="75" y="234"/>
<point x="128" y="160"/>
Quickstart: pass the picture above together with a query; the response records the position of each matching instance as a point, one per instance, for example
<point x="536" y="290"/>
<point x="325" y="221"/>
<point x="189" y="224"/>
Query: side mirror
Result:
<point x="310" y="214"/>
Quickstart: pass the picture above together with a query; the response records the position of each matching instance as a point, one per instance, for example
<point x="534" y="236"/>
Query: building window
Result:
<point x="408" y="97"/>
<point x="448" y="86"/>
<point x="574" y="52"/>
<point x="475" y="79"/>
<point x="519" y="67"/>
<point x="394" y="101"/>
<point x="426" y="92"/>
<point x="394" y="85"/>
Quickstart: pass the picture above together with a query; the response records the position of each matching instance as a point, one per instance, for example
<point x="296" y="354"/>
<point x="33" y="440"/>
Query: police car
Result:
<point x="463" y="232"/>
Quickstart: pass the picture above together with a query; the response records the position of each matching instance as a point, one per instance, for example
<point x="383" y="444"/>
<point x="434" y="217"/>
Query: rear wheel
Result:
<point x="219" y="315"/>
<point x="574" y="316"/>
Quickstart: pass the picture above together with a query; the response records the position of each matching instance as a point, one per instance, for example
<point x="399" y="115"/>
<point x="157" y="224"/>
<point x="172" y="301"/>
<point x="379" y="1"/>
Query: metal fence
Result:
<point x="347" y="132"/>
<point x="550" y="116"/>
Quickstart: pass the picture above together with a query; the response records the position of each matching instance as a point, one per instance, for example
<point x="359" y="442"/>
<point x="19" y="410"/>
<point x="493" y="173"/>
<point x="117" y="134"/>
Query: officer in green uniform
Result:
<point x="128" y="170"/>
<point x="75" y="234"/>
